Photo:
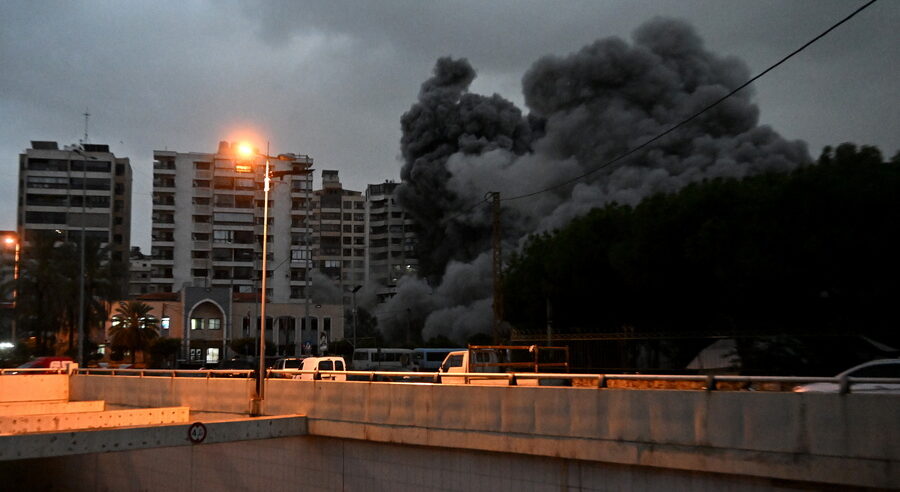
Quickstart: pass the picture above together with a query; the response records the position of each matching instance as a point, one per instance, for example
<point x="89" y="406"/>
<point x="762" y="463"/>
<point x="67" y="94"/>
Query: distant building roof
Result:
<point x="159" y="296"/>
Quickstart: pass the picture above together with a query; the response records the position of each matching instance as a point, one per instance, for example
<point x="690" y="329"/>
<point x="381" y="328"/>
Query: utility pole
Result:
<point x="497" y="264"/>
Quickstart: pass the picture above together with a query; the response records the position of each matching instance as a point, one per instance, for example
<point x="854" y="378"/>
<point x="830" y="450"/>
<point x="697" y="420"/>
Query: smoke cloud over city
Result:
<point x="584" y="109"/>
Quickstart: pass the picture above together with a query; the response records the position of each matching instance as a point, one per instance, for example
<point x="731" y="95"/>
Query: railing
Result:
<point x="33" y="370"/>
<point x="599" y="381"/>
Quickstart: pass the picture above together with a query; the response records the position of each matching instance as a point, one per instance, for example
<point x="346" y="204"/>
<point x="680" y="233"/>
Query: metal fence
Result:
<point x="597" y="381"/>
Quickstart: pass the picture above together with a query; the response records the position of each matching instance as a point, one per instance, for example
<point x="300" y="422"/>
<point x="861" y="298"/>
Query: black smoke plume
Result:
<point x="585" y="109"/>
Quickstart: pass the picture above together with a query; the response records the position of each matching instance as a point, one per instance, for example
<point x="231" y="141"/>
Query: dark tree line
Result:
<point x="48" y="290"/>
<point x="812" y="252"/>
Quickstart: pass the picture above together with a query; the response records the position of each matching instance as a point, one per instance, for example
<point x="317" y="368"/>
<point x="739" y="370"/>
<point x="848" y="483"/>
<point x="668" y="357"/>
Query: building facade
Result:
<point x="208" y="222"/>
<point x="208" y="319"/>
<point x="390" y="240"/>
<point x="9" y="271"/>
<point x="64" y="192"/>
<point x="339" y="240"/>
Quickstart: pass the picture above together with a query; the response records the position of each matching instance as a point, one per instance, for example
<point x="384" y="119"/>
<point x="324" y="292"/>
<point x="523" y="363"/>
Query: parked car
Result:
<point x="323" y="364"/>
<point x="238" y="369"/>
<point x="46" y="362"/>
<point x="882" y="368"/>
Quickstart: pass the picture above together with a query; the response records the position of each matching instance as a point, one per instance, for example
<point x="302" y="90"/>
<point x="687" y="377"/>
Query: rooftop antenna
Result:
<point x="86" y="116"/>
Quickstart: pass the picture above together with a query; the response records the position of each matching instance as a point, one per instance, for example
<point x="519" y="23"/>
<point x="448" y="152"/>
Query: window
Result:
<point x="47" y="165"/>
<point x="47" y="182"/>
<point x="231" y="217"/>
<point x="332" y="263"/>
<point x="45" y="217"/>
<point x="212" y="355"/>
<point x="164" y="322"/>
<point x="214" y="323"/>
<point x="299" y="254"/>
<point x="196" y="323"/>
<point x="223" y="236"/>
<point x="452" y="361"/>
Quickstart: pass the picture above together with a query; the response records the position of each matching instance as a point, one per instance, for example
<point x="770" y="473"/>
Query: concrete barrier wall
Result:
<point x="34" y="387"/>
<point x="329" y="464"/>
<point x="840" y="439"/>
<point x="201" y="394"/>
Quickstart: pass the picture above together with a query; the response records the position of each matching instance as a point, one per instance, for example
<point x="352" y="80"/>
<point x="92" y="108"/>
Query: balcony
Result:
<point x="164" y="185"/>
<point x="201" y="228"/>
<point x="202" y="209"/>
<point x="203" y="192"/>
<point x="203" y="174"/>
<point x="202" y="245"/>
<point x="200" y="263"/>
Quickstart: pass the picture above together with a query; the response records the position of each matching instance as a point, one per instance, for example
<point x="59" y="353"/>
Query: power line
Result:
<point x="693" y="116"/>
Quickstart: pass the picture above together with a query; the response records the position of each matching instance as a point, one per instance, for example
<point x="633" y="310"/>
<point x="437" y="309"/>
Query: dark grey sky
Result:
<point x="331" y="79"/>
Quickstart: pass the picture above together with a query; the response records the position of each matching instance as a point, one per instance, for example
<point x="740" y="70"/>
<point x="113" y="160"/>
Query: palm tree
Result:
<point x="133" y="327"/>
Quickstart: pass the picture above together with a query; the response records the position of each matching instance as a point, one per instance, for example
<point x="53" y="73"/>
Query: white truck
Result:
<point x="494" y="365"/>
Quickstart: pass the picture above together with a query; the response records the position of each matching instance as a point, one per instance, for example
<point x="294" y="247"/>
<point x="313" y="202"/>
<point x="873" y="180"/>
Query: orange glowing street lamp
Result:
<point x="250" y="152"/>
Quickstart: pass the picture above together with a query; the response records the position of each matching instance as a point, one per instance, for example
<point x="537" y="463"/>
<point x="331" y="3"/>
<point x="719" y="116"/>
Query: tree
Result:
<point x="771" y="258"/>
<point x="47" y="291"/>
<point x="133" y="327"/>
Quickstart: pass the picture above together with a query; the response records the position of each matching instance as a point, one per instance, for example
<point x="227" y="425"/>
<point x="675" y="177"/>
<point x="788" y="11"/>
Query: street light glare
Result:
<point x="9" y="240"/>
<point x="245" y="149"/>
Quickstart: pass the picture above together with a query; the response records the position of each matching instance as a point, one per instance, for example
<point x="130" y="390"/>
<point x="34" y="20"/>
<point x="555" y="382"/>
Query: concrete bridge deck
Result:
<point x="385" y="436"/>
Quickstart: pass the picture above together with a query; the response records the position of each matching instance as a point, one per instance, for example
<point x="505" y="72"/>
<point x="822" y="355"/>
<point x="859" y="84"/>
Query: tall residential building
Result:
<point x="9" y="271"/>
<point x="139" y="273"/>
<point x="391" y="239"/>
<point x="339" y="248"/>
<point x="208" y="222"/>
<point x="66" y="191"/>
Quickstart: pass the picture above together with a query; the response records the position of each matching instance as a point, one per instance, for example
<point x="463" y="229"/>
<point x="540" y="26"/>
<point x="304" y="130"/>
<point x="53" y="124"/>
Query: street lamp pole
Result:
<point x="84" y="159"/>
<point x="261" y="370"/>
<point x="259" y="394"/>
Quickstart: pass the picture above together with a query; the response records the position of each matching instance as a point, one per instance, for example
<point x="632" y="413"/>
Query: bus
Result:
<point x="429" y="359"/>
<point x="382" y="359"/>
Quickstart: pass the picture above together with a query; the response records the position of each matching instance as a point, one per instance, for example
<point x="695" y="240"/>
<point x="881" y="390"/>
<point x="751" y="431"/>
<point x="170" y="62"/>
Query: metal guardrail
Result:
<point x="33" y="370"/>
<point x="600" y="381"/>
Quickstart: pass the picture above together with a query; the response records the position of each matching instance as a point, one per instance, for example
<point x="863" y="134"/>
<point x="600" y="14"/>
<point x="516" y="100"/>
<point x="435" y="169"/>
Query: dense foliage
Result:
<point x="816" y="251"/>
<point x="47" y="293"/>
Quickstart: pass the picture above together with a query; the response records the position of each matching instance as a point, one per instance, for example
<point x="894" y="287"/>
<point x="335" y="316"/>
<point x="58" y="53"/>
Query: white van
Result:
<point x="322" y="364"/>
<point x="382" y="359"/>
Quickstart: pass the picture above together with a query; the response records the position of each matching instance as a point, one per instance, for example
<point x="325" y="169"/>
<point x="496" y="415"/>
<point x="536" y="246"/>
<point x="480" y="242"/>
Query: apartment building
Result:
<point x="139" y="273"/>
<point x="63" y="192"/>
<point x="208" y="222"/>
<point x="391" y="240"/>
<point x="9" y="271"/>
<point x="339" y="249"/>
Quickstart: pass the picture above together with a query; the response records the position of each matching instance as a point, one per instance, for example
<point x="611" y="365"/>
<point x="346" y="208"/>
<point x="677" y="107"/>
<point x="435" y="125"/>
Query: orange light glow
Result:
<point x="9" y="240"/>
<point x="245" y="149"/>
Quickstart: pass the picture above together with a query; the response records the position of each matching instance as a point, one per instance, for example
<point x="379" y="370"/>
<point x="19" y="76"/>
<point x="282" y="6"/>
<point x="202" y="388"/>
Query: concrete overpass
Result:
<point x="323" y="435"/>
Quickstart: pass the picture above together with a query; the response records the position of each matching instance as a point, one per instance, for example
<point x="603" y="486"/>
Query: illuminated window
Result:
<point x="212" y="355"/>
<point x="214" y="324"/>
<point x="164" y="323"/>
<point x="196" y="323"/>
